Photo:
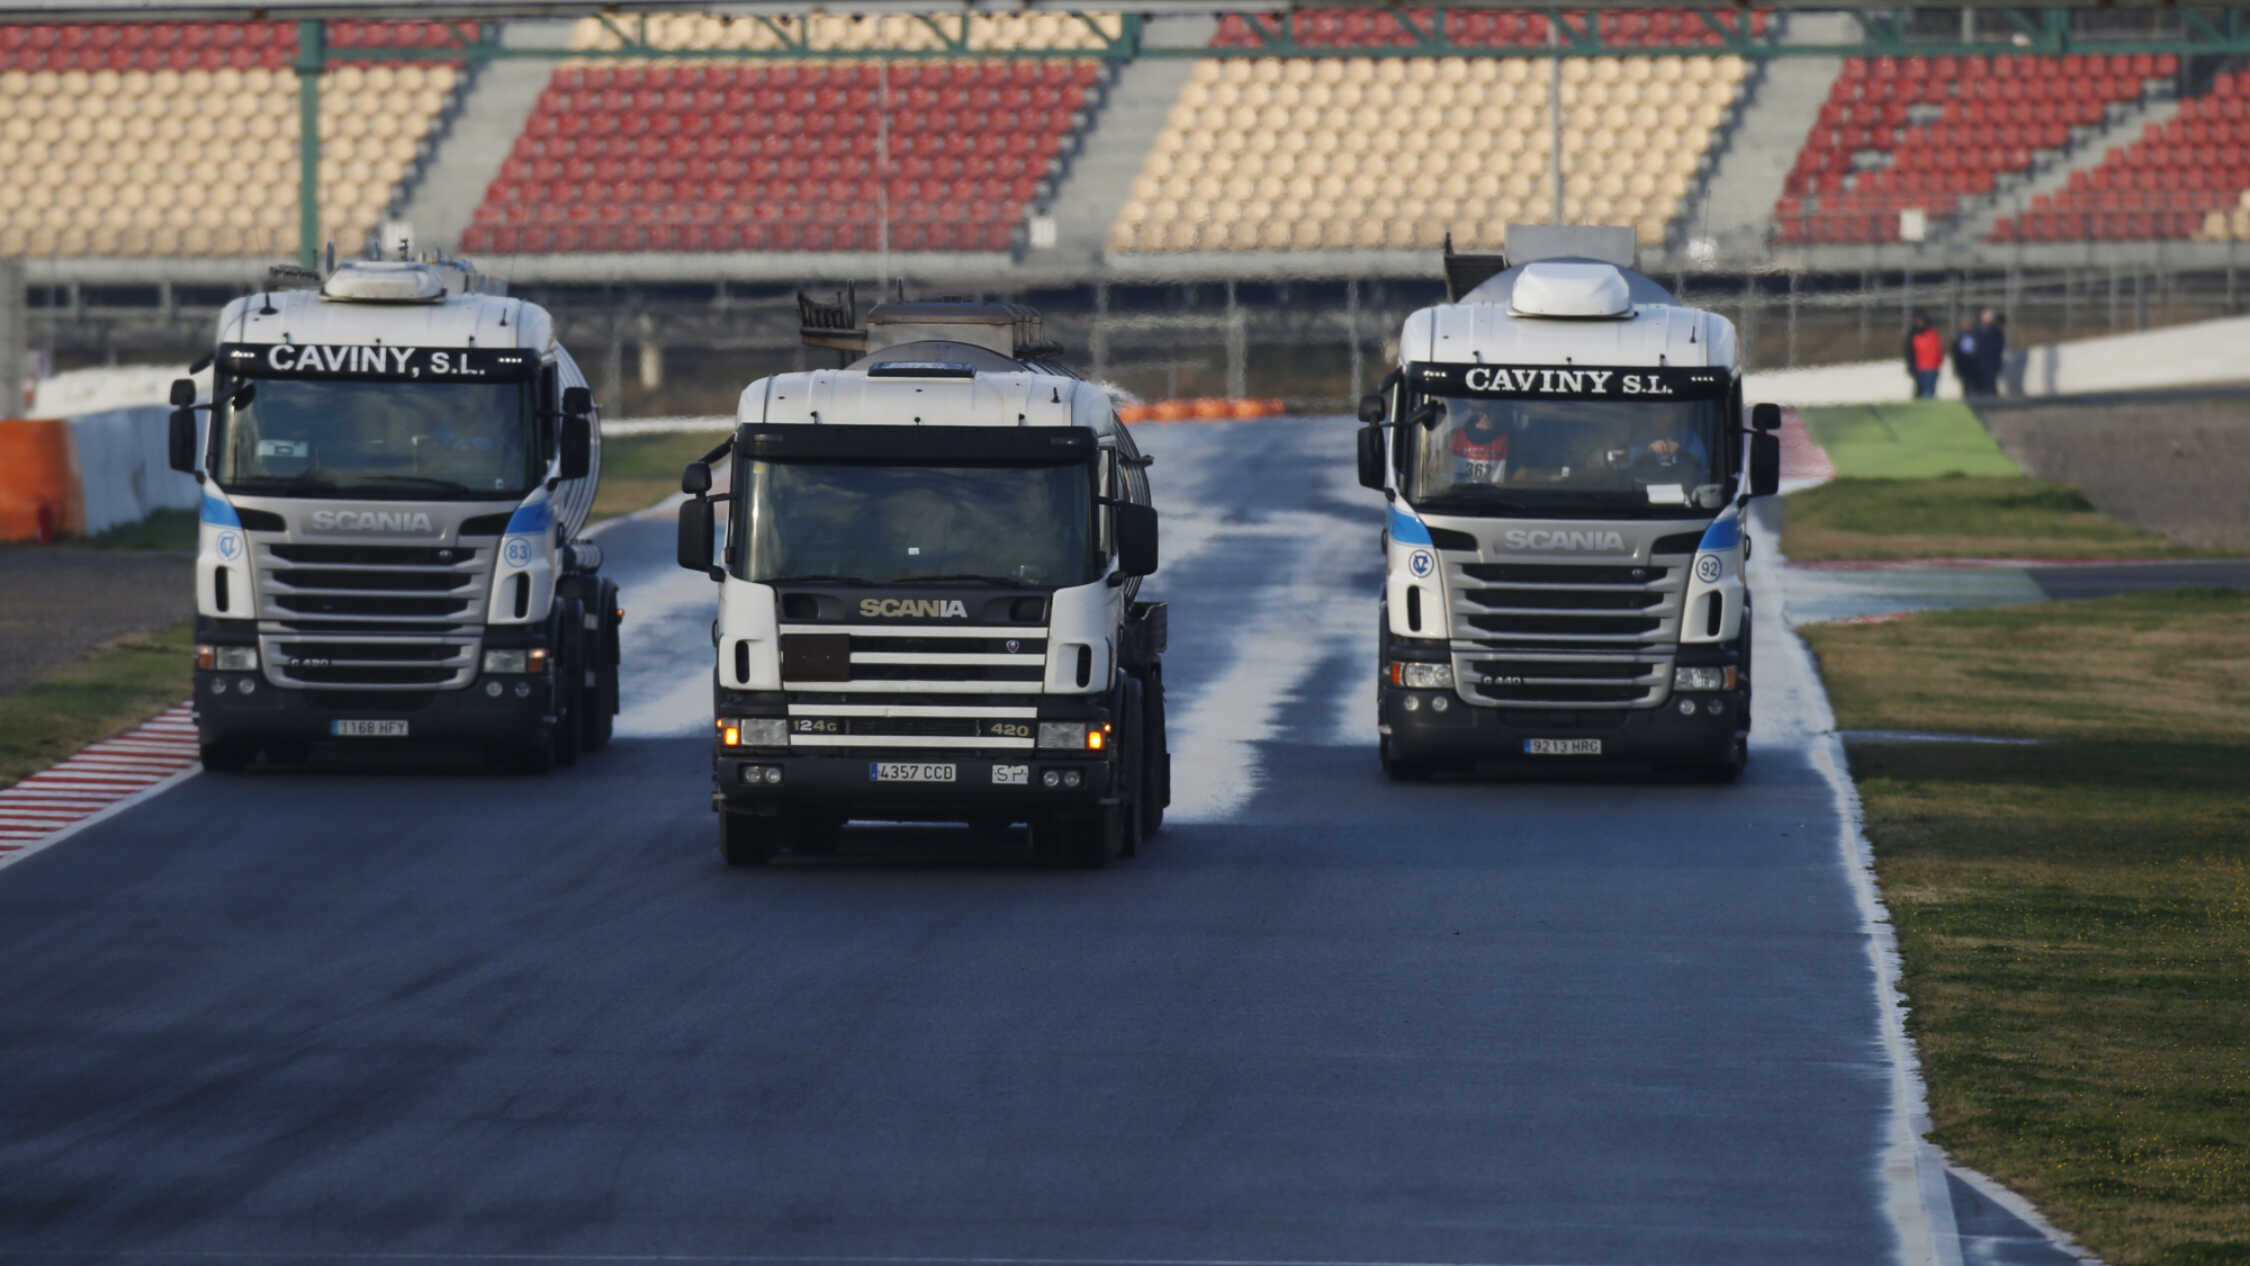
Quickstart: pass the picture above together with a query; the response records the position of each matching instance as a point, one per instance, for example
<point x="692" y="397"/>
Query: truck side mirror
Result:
<point x="1136" y="538"/>
<point x="183" y="392"/>
<point x="577" y="444"/>
<point x="1765" y="417"/>
<point x="1765" y="462"/>
<point x="1371" y="407"/>
<point x="696" y="479"/>
<point x="1371" y="457"/>
<point x="182" y="437"/>
<point x="577" y="402"/>
<point x="695" y="535"/>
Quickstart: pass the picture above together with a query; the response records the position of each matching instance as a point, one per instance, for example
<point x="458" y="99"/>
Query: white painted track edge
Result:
<point x="99" y="816"/>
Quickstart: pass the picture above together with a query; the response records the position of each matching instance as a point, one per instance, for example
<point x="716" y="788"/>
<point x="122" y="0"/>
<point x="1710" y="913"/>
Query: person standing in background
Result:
<point x="1968" y="363"/>
<point x="1992" y="349"/>
<point x="1925" y="356"/>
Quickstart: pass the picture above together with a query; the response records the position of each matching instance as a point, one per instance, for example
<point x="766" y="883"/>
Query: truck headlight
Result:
<point x="753" y="732"/>
<point x="1415" y="676"/>
<point x="227" y="659"/>
<point x="533" y="660"/>
<point x="1703" y="679"/>
<point x="1068" y="735"/>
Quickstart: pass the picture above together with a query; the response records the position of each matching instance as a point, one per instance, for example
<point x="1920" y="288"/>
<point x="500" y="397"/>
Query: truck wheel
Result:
<point x="816" y="836"/>
<point x="598" y="709"/>
<point x="600" y="715"/>
<point x="1084" y="841"/>
<point x="1729" y="769"/>
<point x="290" y="753"/>
<point x="745" y="841"/>
<point x="1401" y="770"/>
<point x="1156" y="760"/>
<point x="227" y="756"/>
<point x="565" y="738"/>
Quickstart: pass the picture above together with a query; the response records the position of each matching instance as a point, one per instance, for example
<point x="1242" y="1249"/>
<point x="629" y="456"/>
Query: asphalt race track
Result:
<point x="408" y="1013"/>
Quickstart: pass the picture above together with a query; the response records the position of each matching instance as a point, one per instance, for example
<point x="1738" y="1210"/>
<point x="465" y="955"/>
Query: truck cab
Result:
<point x="1563" y="453"/>
<point x="396" y="461"/>
<point x="929" y="595"/>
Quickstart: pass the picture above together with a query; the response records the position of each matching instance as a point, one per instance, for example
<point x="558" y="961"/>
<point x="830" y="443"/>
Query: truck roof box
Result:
<point x="1607" y="244"/>
<point x="1008" y="329"/>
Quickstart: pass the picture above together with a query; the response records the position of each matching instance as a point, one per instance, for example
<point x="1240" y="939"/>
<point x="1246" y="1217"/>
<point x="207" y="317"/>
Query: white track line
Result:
<point x="95" y="784"/>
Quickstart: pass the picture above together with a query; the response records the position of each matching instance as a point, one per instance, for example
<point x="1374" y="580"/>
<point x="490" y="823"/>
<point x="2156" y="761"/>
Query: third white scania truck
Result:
<point x="929" y="594"/>
<point x="1563" y="452"/>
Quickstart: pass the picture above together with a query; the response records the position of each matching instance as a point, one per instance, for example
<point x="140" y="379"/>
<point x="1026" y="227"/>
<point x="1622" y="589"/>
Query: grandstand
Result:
<point x="1329" y="142"/>
<point x="182" y="139"/>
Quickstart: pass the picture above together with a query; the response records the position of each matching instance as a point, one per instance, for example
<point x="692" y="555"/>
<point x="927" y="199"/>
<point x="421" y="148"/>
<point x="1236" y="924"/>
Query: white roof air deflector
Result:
<point x="1585" y="291"/>
<point x="384" y="281"/>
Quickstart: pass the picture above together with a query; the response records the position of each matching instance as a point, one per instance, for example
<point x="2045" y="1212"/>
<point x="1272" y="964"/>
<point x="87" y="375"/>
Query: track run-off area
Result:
<point x="416" y="1012"/>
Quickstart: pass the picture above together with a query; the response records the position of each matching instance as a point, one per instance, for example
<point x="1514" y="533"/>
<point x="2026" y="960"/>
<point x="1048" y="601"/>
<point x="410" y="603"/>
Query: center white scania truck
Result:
<point x="929" y="599"/>
<point x="396" y="464"/>
<point x="1563" y="452"/>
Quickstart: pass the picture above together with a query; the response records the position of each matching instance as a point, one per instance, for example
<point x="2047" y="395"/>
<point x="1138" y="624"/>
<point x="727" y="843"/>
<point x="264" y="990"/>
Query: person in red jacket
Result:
<point x="1925" y="355"/>
<point x="1479" y="444"/>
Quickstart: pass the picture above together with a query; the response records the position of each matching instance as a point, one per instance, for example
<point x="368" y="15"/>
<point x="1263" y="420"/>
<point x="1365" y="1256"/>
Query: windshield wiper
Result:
<point x="813" y="578"/>
<point x="278" y="485"/>
<point x="424" y="481"/>
<point x="966" y="578"/>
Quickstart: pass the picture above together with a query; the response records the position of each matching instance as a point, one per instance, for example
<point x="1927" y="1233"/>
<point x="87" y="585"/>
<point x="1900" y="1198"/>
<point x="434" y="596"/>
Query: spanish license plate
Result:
<point x="1562" y="747"/>
<point x="907" y="771"/>
<point x="367" y="729"/>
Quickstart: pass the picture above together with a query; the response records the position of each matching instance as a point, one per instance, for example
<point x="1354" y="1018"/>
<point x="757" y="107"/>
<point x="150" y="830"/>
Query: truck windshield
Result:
<point x="1556" y="456"/>
<point x="853" y="523"/>
<point x="406" y="440"/>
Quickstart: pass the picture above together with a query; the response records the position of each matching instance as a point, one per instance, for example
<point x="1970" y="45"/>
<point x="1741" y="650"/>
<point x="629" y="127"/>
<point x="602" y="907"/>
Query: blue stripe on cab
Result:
<point x="218" y="513"/>
<point x="1722" y="535"/>
<point x="529" y="520"/>
<point x="1408" y="530"/>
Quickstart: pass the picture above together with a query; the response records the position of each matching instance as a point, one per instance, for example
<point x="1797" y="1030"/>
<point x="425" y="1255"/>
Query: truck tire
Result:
<point x="745" y="841"/>
<point x="815" y="836"/>
<point x="1156" y="759"/>
<point x="1085" y="841"/>
<point x="226" y="756"/>
<point x="598" y="715"/>
<point x="1401" y="770"/>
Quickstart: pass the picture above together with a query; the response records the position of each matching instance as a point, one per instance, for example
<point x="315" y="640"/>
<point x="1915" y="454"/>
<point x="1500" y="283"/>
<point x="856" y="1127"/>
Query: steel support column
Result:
<point x="312" y="57"/>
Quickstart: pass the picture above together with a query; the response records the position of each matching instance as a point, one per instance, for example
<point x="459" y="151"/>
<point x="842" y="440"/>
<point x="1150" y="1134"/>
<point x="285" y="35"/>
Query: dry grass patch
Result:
<point x="2074" y="917"/>
<point x="109" y="690"/>
<point x="640" y="470"/>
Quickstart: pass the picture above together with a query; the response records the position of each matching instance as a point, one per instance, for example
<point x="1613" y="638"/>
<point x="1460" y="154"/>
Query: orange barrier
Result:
<point x="1202" y="409"/>
<point x="38" y="494"/>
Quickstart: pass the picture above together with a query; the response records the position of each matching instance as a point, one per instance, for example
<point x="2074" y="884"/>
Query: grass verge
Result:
<point x="1921" y="439"/>
<point x="165" y="528"/>
<point x="2074" y="917"/>
<point x="640" y="470"/>
<point x="112" y="688"/>
<point x="1998" y="517"/>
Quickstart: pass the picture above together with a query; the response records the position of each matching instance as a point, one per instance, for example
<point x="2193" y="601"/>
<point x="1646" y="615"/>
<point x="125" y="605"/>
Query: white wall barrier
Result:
<point x="2204" y="353"/>
<point x="124" y="467"/>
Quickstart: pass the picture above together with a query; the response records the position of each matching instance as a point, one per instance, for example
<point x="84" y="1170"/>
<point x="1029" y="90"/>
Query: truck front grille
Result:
<point x="372" y="617"/>
<point x="1565" y="635"/>
<point x="877" y="688"/>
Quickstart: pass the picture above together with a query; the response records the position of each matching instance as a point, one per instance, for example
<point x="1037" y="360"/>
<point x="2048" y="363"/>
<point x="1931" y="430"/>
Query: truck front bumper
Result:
<point x="981" y="787"/>
<point x="269" y="712"/>
<point x="1465" y="732"/>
